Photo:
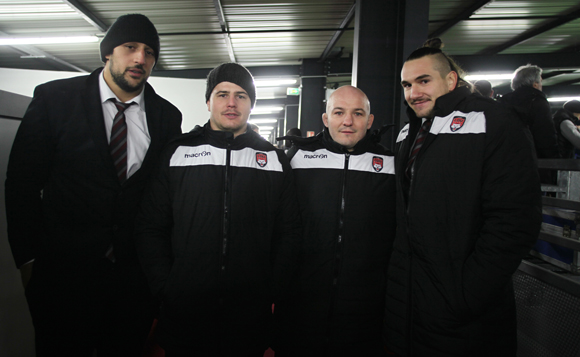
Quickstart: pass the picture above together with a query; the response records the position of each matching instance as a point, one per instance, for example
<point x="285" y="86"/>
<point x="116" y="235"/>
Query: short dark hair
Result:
<point x="444" y="63"/>
<point x="483" y="87"/>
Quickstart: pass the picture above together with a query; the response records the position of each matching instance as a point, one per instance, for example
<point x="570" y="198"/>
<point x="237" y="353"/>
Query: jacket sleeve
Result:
<point x="153" y="229"/>
<point x="287" y="235"/>
<point x="28" y="171"/>
<point x="511" y="208"/>
<point x="570" y="132"/>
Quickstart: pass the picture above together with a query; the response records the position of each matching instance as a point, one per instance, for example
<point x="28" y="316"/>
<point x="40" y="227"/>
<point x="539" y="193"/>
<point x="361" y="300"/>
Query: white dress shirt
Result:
<point x="138" y="138"/>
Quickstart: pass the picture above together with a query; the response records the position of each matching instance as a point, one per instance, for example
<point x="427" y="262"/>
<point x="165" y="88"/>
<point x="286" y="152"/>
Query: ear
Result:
<point x="536" y="85"/>
<point x="208" y="109"/>
<point x="325" y="119"/>
<point x="370" y="123"/>
<point x="451" y="78"/>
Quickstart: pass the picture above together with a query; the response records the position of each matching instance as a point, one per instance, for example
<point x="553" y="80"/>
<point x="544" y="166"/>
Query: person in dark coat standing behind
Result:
<point x="75" y="178"/>
<point x="566" y="121"/>
<point x="468" y="210"/>
<point x="531" y="104"/>
<point x="346" y="185"/>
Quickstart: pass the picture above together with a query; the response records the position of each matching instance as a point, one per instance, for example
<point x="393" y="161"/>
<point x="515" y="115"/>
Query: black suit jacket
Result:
<point x="64" y="202"/>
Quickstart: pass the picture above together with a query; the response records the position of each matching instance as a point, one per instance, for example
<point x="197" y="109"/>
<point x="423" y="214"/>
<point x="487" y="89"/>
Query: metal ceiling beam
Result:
<point x="337" y="34"/>
<point x="33" y="52"/>
<point x="546" y="75"/>
<point x="572" y="48"/>
<point x="87" y="14"/>
<point x="546" y="26"/>
<point x="464" y="15"/>
<point x="224" y="25"/>
<point x="509" y="62"/>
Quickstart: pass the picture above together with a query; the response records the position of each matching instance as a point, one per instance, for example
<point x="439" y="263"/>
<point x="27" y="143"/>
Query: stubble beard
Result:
<point x="121" y="81"/>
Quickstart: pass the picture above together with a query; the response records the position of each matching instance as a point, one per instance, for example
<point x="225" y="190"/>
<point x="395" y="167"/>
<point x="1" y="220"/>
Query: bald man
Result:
<point x="345" y="184"/>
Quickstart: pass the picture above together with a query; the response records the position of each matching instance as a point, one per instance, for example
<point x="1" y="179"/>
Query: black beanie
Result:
<point x="234" y="73"/>
<point x="573" y="106"/>
<point x="130" y="28"/>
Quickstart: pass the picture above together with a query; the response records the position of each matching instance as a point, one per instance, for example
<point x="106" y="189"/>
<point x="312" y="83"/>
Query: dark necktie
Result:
<point x="417" y="147"/>
<point x="118" y="143"/>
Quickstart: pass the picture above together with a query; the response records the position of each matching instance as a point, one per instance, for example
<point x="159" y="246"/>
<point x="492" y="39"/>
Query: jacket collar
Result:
<point x="360" y="148"/>
<point x="224" y="138"/>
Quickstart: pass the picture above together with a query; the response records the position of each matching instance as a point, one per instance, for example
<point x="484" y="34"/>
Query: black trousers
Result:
<point x="79" y="308"/>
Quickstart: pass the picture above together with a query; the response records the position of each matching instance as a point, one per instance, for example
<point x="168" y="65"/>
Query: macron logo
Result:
<point x="315" y="156"/>
<point x="197" y="154"/>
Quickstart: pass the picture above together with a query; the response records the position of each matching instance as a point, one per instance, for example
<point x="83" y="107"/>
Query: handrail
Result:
<point x="561" y="203"/>
<point x="559" y="164"/>
<point x="561" y="241"/>
<point x="557" y="280"/>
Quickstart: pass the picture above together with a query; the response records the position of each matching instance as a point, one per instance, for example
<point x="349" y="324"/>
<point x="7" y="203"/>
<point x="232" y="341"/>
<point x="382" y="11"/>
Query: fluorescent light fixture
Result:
<point x="267" y="110"/>
<point x="274" y="82"/>
<point x="265" y="136"/>
<point x="489" y="77"/>
<point x="263" y="121"/>
<point x="562" y="99"/>
<point x="13" y="41"/>
<point x="266" y="128"/>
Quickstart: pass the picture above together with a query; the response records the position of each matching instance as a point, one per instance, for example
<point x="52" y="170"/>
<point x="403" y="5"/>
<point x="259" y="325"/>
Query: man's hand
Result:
<point x="26" y="273"/>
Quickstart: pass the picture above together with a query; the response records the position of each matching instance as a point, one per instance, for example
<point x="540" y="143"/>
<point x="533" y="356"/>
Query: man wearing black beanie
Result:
<point x="218" y="234"/>
<point x="77" y="170"/>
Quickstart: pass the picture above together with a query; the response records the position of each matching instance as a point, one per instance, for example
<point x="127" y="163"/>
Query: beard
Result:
<point x="121" y="81"/>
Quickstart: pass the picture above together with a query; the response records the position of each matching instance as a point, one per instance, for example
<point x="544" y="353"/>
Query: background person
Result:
<point x="566" y="120"/>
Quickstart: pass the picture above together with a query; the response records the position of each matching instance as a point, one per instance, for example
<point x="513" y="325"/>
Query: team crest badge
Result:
<point x="261" y="159"/>
<point x="377" y="163"/>
<point x="457" y="123"/>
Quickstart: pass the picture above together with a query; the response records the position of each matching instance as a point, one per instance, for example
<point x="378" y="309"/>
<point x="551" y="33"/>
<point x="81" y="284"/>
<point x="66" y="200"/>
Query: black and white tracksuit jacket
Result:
<point x="473" y="210"/>
<point x="347" y="205"/>
<point x="218" y="237"/>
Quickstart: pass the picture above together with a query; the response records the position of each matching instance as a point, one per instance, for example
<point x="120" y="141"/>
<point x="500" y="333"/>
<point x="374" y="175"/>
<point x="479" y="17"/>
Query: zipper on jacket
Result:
<point x="340" y="238"/>
<point x="406" y="199"/>
<point x="339" y="243"/>
<point x="226" y="213"/>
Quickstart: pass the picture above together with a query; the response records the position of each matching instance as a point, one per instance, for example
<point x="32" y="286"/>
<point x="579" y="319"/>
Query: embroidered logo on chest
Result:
<point x="457" y="123"/>
<point x="261" y="159"/>
<point x="377" y="163"/>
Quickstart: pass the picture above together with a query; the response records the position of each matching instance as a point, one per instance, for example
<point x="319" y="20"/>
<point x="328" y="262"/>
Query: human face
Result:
<point x="347" y="116"/>
<point x="229" y="106"/>
<point x="128" y="68"/>
<point x="423" y="84"/>
<point x="537" y="85"/>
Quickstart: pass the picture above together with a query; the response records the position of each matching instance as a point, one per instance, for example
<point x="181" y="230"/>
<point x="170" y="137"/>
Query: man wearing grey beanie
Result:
<point x="218" y="233"/>
<point x="77" y="170"/>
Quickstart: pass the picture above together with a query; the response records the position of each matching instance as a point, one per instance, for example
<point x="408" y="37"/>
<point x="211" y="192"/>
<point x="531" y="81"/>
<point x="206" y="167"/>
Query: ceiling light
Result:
<point x="267" y="110"/>
<point x="562" y="99"/>
<point x="263" y="121"/>
<point x="274" y="82"/>
<point x="266" y="128"/>
<point x="489" y="77"/>
<point x="13" y="41"/>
